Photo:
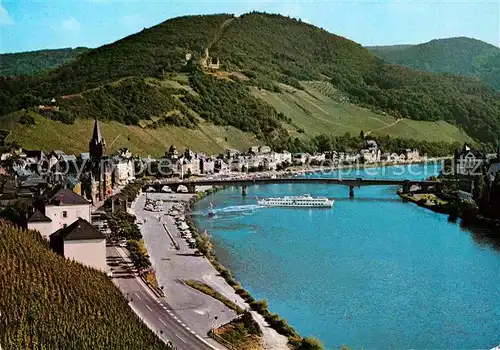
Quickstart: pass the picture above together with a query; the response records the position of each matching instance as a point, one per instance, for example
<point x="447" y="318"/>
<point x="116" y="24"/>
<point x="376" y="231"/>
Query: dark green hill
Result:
<point x="49" y="302"/>
<point x="464" y="56"/>
<point x="34" y="62"/>
<point x="268" y="49"/>
<point x="281" y="48"/>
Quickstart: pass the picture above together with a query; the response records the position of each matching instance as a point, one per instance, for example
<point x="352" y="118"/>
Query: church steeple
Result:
<point x="97" y="145"/>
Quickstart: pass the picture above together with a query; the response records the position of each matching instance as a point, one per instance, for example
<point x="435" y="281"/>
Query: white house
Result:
<point x="269" y="164"/>
<point x="286" y="157"/>
<point x="371" y="155"/>
<point x="65" y="207"/>
<point x="254" y="149"/>
<point x="264" y="149"/>
<point x="41" y="223"/>
<point x="207" y="165"/>
<point x="412" y="155"/>
<point x="318" y="157"/>
<point x="221" y="166"/>
<point x="81" y="242"/>
<point x="238" y="164"/>
<point x="124" y="169"/>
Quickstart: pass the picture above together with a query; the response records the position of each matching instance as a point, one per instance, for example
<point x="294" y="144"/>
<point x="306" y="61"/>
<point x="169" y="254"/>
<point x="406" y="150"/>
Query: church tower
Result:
<point x="97" y="145"/>
<point x="98" y="186"/>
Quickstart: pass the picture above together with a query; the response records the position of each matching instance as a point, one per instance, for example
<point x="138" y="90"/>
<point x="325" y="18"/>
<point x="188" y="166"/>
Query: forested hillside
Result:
<point x="464" y="56"/>
<point x="255" y="50"/>
<point x="34" y="62"/>
<point x="48" y="302"/>
<point x="267" y="45"/>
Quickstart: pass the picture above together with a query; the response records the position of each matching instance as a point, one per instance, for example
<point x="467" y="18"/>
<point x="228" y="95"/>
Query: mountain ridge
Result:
<point x="37" y="61"/>
<point x="255" y="50"/>
<point x="457" y="55"/>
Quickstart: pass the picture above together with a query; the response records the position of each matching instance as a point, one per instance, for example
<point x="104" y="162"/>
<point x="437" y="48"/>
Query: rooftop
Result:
<point x="67" y="197"/>
<point x="38" y="216"/>
<point x="79" y="230"/>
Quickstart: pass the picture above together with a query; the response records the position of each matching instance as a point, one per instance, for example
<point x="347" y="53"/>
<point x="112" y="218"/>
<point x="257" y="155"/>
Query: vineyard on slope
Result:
<point x="48" y="302"/>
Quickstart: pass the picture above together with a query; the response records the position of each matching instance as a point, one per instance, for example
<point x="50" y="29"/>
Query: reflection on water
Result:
<point x="371" y="272"/>
<point x="485" y="237"/>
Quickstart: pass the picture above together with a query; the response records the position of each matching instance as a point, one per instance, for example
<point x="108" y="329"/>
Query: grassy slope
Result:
<point x="48" y="135"/>
<point x="317" y="113"/>
<point x="316" y="110"/>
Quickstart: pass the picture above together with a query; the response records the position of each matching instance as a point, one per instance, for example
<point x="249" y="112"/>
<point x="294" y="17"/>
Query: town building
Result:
<point x="468" y="162"/>
<point x="96" y="183"/>
<point x="54" y="157"/>
<point x="207" y="165"/>
<point x="64" y="207"/>
<point x="231" y="153"/>
<point x="301" y="158"/>
<point x="123" y="168"/>
<point x="81" y="242"/>
<point x="269" y="164"/>
<point x="38" y="221"/>
<point x="172" y="154"/>
<point x="412" y="155"/>
<point x="221" y="166"/>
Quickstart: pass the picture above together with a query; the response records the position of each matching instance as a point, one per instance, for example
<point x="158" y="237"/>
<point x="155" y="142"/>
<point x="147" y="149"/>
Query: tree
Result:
<point x="495" y="195"/>
<point x="323" y="143"/>
<point x="478" y="190"/>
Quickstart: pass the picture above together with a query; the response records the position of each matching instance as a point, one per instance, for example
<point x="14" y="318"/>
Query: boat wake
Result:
<point x="232" y="209"/>
<point x="238" y="208"/>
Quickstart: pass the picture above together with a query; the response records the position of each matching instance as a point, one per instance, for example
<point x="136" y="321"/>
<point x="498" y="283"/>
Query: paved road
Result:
<point x="155" y="312"/>
<point x="199" y="311"/>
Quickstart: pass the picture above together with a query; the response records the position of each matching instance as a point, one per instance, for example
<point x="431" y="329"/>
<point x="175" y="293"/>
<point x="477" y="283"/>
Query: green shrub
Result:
<point x="259" y="306"/>
<point x="27" y="119"/>
<point x="309" y="343"/>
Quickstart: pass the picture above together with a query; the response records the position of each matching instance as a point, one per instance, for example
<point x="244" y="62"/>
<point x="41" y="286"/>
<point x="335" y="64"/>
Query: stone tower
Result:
<point x="97" y="145"/>
<point x="98" y="186"/>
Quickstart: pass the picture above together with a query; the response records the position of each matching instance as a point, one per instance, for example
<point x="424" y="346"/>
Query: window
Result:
<point x="65" y="214"/>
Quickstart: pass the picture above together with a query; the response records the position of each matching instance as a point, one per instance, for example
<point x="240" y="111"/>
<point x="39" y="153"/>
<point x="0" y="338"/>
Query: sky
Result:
<point x="27" y="25"/>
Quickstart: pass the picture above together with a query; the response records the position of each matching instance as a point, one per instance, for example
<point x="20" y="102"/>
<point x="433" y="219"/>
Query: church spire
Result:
<point x="97" y="144"/>
<point x="96" y="134"/>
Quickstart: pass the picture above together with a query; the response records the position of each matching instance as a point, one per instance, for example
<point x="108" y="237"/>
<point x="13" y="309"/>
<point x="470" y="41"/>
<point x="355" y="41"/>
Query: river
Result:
<point x="373" y="272"/>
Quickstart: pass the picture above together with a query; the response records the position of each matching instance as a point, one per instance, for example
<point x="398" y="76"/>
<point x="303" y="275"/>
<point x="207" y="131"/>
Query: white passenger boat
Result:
<point x="306" y="201"/>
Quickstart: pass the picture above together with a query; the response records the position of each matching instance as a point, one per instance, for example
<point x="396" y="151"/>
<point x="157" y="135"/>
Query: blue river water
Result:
<point x="373" y="272"/>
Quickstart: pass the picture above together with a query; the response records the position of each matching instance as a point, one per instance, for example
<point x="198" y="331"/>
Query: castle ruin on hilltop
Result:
<point x="208" y="62"/>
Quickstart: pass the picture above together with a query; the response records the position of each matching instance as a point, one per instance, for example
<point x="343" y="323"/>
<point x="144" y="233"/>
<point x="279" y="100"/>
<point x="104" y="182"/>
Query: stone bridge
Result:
<point x="174" y="184"/>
